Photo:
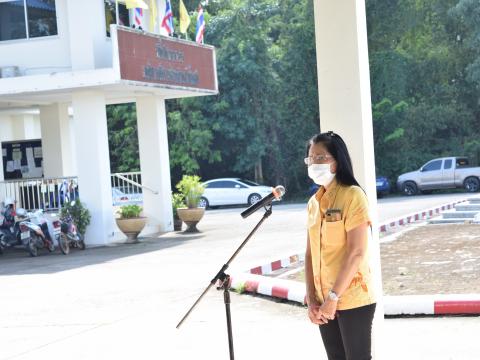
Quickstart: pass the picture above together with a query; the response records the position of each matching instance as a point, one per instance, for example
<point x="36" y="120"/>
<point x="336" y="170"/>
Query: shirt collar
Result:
<point x="330" y="192"/>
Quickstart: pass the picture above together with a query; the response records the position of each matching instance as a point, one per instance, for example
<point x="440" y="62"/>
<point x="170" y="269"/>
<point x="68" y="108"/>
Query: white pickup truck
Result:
<point x="442" y="173"/>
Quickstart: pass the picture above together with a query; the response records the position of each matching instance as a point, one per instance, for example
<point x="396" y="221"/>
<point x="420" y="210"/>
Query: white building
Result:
<point x="61" y="62"/>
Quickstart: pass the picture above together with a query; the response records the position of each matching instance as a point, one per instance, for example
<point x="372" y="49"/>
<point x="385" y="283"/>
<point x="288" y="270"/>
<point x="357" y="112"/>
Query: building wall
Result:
<point x="81" y="42"/>
<point x="40" y="55"/>
<point x="54" y="53"/>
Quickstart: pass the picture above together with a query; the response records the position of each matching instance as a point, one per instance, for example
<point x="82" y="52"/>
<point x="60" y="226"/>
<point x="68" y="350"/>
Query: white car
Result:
<point x="232" y="191"/>
<point x="124" y="196"/>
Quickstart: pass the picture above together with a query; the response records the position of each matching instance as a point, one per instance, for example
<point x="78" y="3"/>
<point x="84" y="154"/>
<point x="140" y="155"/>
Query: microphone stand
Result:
<point x="224" y="280"/>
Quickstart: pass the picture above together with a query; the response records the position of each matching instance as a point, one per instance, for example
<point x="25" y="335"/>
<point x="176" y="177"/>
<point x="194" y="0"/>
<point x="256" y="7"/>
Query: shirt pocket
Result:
<point x="333" y="233"/>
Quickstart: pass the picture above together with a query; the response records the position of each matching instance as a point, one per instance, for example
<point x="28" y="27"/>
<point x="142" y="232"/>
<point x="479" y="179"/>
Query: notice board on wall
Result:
<point x="22" y="159"/>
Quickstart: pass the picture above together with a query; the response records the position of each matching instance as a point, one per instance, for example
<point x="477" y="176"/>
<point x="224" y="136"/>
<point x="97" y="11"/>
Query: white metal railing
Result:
<point x="52" y="193"/>
<point x="130" y="183"/>
<point x="41" y="193"/>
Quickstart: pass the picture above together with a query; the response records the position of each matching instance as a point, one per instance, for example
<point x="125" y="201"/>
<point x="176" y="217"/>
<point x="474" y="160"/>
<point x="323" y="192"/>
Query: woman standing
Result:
<point x="338" y="280"/>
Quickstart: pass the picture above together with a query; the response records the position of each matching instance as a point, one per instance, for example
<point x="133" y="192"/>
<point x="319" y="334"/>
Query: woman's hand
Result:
<point x="327" y="310"/>
<point x="313" y="307"/>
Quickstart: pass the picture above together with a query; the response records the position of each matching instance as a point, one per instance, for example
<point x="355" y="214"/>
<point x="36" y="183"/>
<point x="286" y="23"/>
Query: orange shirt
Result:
<point x="328" y="240"/>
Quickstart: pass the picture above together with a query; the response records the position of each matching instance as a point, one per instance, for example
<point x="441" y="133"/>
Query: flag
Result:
<point x="132" y="4"/>
<point x="138" y="18"/>
<point x="167" y="22"/>
<point x="200" y="25"/>
<point x="153" y="15"/>
<point x="184" y="18"/>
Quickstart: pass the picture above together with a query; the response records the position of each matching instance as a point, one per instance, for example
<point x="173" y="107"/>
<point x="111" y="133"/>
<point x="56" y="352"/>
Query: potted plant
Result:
<point x="79" y="213"/>
<point x="130" y="222"/>
<point x="177" y="202"/>
<point x="192" y="190"/>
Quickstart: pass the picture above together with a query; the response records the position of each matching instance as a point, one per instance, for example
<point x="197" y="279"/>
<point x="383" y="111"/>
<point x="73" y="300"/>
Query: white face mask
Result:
<point x="320" y="174"/>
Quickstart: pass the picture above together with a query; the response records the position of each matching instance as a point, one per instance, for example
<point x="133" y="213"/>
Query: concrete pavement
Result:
<point x="123" y="302"/>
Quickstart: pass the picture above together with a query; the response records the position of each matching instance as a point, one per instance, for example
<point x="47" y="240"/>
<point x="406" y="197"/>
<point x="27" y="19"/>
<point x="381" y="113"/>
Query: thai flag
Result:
<point x="200" y="25"/>
<point x="138" y="17"/>
<point x="167" y="22"/>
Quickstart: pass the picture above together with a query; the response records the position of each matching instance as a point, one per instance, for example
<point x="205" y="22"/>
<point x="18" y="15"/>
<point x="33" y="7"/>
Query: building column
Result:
<point x="24" y="127"/>
<point x="56" y="141"/>
<point x="93" y="164"/>
<point x="155" y="162"/>
<point x="5" y="134"/>
<point x="345" y="108"/>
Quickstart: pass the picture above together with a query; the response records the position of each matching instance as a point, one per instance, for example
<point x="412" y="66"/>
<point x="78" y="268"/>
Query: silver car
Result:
<point x="232" y="191"/>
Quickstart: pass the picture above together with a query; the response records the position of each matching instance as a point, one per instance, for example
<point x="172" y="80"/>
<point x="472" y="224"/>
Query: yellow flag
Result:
<point x="153" y="15"/>
<point x="184" y="18"/>
<point x="132" y="4"/>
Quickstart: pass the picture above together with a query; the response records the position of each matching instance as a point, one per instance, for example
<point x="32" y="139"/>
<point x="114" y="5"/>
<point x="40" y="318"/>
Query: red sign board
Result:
<point x="151" y="58"/>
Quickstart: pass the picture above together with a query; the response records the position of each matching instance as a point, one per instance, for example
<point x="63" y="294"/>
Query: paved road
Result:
<point x="123" y="302"/>
<point x="388" y="208"/>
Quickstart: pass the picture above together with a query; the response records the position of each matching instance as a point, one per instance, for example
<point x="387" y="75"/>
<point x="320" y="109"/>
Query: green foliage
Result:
<point x="178" y="201"/>
<point x="192" y="190"/>
<point x="130" y="211"/>
<point x="425" y="75"/>
<point x="79" y="213"/>
<point x="123" y="138"/>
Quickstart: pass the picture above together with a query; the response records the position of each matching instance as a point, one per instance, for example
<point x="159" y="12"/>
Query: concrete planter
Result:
<point x="191" y="217"/>
<point x="177" y="223"/>
<point x="132" y="227"/>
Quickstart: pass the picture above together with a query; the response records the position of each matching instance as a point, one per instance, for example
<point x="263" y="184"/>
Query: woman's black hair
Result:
<point x="338" y="149"/>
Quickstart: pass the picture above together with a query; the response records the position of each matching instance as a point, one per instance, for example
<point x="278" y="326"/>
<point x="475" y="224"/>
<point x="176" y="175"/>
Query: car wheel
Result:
<point x="253" y="199"/>
<point x="471" y="184"/>
<point x="203" y="203"/>
<point x="410" y="188"/>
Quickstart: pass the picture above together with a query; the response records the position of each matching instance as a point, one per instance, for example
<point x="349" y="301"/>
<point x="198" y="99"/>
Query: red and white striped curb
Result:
<point x="385" y="227"/>
<point x="276" y="265"/>
<point x="422" y="215"/>
<point x="393" y="305"/>
<point x="432" y="304"/>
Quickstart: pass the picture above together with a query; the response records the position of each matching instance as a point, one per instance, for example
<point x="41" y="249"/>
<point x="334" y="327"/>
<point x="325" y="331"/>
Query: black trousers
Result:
<point x="349" y="336"/>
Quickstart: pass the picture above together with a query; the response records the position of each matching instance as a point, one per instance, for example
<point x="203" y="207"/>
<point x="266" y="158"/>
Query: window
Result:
<point x="462" y="162"/>
<point x="248" y="182"/>
<point x="41" y="19"/>
<point x="448" y="164"/>
<point x="222" y="185"/>
<point x="113" y="7"/>
<point x="433" y="165"/>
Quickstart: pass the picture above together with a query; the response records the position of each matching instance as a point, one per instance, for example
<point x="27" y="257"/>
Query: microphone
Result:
<point x="277" y="193"/>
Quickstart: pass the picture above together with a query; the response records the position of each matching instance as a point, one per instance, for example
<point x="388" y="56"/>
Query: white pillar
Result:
<point x="2" y="177"/>
<point x="86" y="33"/>
<point x="345" y="107"/>
<point x="56" y="141"/>
<point x="155" y="162"/>
<point x="5" y="134"/>
<point x="93" y="164"/>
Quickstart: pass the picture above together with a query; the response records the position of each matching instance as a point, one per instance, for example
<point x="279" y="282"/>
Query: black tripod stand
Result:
<point x="224" y="280"/>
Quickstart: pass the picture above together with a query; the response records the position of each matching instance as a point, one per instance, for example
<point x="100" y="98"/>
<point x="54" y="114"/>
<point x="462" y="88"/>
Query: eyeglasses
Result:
<point x="316" y="159"/>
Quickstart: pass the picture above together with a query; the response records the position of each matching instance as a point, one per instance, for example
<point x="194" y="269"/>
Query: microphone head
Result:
<point x="279" y="191"/>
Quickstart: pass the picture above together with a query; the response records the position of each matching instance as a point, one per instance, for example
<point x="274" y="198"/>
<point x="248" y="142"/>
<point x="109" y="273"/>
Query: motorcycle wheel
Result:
<point x="32" y="245"/>
<point x="51" y="246"/>
<point x="64" y="245"/>
<point x="81" y="242"/>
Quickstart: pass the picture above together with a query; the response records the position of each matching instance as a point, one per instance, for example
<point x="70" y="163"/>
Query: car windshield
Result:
<point x="248" y="182"/>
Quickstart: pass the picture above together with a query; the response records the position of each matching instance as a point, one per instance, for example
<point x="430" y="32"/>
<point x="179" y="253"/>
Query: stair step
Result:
<point x="468" y="207"/>
<point x="452" y="221"/>
<point x="459" y="214"/>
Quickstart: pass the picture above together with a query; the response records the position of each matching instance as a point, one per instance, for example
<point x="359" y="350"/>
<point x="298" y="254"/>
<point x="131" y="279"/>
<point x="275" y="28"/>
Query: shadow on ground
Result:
<point x="18" y="261"/>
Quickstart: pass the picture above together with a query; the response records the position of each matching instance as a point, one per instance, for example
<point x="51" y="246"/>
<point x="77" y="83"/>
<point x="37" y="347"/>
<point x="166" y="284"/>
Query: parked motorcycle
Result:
<point x="69" y="235"/>
<point x="42" y="234"/>
<point x="16" y="235"/>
